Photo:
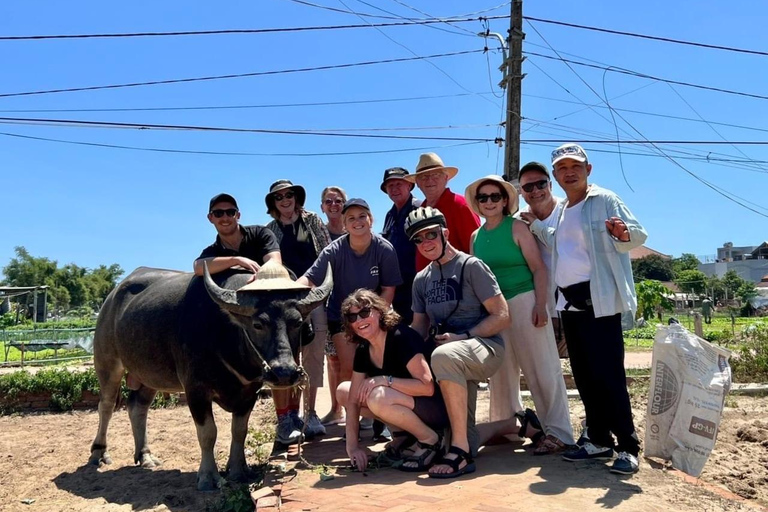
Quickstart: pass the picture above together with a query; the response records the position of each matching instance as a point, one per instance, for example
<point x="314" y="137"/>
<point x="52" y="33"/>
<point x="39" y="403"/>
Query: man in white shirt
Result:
<point x="593" y="274"/>
<point x="543" y="208"/>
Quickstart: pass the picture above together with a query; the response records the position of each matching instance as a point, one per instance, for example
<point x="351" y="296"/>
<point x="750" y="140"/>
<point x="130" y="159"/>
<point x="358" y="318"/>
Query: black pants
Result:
<point x="596" y="350"/>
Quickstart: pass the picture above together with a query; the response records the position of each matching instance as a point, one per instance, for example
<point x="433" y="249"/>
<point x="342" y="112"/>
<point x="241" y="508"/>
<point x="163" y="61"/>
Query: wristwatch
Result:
<point x="389" y="380"/>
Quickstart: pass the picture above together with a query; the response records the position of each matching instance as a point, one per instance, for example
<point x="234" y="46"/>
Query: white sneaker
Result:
<point x="287" y="433"/>
<point x="366" y="423"/>
<point x="314" y="426"/>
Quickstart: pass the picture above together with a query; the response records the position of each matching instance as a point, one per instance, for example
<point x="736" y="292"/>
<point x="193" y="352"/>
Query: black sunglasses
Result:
<point x="352" y="317"/>
<point x="429" y="235"/>
<point x="229" y="212"/>
<point x="483" y="198"/>
<point x="329" y="202"/>
<point x="287" y="195"/>
<point x="541" y="185"/>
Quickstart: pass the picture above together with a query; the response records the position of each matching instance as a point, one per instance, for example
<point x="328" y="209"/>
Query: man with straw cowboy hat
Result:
<point x="432" y="178"/>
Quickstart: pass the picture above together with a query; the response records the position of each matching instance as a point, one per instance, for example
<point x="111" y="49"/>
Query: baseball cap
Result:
<point x="221" y="198"/>
<point x="355" y="201"/>
<point x="569" y="150"/>
<point x="533" y="166"/>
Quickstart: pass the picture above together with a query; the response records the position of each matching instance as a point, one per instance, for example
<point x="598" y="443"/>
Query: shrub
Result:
<point x="750" y="363"/>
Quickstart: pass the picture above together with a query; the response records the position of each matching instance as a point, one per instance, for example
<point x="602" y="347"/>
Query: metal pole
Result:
<point x="514" y="92"/>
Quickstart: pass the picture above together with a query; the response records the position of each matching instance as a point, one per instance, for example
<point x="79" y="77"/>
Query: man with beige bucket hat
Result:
<point x="432" y="178"/>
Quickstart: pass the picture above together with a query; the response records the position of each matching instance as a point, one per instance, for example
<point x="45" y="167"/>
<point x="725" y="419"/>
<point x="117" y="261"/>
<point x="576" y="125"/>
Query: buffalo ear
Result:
<point x="226" y="299"/>
<point x="317" y="295"/>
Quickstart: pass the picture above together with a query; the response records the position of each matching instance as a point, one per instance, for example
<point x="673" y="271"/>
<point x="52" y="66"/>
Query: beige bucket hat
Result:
<point x="272" y="276"/>
<point x="512" y="197"/>
<point x="430" y="162"/>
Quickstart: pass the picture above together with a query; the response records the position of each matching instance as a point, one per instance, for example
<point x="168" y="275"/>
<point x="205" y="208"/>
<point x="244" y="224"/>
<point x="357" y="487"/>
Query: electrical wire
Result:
<point x="238" y="75"/>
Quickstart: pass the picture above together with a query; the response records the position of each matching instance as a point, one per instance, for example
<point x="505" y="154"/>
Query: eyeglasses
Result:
<point x="483" y="198"/>
<point x="541" y="185"/>
<point x="429" y="235"/>
<point x="287" y="195"/>
<point x="329" y="202"/>
<point x="352" y="317"/>
<point x="229" y="212"/>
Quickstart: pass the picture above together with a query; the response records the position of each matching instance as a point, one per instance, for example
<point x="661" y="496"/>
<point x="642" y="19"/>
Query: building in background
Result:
<point x="749" y="262"/>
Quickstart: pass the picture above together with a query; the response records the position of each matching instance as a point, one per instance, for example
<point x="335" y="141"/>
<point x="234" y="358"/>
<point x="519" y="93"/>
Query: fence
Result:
<point x="46" y="339"/>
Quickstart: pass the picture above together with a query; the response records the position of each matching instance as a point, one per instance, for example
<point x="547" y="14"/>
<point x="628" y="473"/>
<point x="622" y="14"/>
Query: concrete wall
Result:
<point x="751" y="270"/>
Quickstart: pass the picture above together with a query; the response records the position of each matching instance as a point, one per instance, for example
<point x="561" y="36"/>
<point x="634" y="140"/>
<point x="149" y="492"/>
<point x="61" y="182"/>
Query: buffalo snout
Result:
<point x="283" y="375"/>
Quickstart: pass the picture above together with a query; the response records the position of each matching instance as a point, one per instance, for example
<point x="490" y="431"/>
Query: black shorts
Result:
<point x="431" y="410"/>
<point x="335" y="327"/>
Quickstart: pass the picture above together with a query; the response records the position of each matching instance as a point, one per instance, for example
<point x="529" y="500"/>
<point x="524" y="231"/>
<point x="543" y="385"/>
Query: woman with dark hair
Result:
<point x="508" y="248"/>
<point x="391" y="381"/>
<point x="302" y="236"/>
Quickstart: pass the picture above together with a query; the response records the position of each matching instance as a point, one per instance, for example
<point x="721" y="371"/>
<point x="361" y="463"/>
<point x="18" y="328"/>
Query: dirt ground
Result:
<point x="43" y="457"/>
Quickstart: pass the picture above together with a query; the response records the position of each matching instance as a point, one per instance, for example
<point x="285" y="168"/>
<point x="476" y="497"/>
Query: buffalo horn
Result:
<point x="316" y="295"/>
<point x="226" y="299"/>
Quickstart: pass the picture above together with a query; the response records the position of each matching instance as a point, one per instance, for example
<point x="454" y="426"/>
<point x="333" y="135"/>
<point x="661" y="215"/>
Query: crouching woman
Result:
<point x="391" y="381"/>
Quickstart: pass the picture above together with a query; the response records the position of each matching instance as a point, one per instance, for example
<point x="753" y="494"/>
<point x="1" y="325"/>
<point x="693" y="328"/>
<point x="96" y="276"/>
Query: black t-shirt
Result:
<point x="402" y="344"/>
<point x="258" y="241"/>
<point x="296" y="247"/>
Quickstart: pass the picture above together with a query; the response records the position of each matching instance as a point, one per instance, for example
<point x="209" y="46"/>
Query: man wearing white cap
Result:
<point x="593" y="274"/>
<point x="432" y="178"/>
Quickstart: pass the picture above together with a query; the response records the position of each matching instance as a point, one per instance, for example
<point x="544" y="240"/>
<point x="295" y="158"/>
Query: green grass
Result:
<point x="720" y="331"/>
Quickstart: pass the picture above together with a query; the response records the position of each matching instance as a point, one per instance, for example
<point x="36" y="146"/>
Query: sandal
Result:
<point x="529" y="418"/>
<point x="461" y="455"/>
<point x="400" y="447"/>
<point x="421" y="465"/>
<point x="550" y="445"/>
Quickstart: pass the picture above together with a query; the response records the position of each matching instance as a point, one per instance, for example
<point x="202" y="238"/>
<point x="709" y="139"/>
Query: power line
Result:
<point x="623" y="71"/>
<point x="230" y="153"/>
<point x="238" y="75"/>
<point x="235" y="107"/>
<point x="335" y="9"/>
<point x="648" y="141"/>
<point x="148" y="126"/>
<point x="645" y="36"/>
<point x="277" y="30"/>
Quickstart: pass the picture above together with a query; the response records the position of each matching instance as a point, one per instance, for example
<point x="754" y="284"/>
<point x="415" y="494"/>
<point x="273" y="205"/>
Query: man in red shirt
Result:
<point x="432" y="177"/>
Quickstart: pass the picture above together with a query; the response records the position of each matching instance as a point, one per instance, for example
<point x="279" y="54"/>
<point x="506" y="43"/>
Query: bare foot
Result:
<point x="333" y="418"/>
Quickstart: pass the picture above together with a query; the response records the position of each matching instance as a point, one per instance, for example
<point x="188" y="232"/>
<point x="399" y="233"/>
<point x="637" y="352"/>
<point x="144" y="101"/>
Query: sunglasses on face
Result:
<point x="229" y="212"/>
<point x="352" y="317"/>
<point x="329" y="202"/>
<point x="429" y="235"/>
<point x="541" y="185"/>
<point x="287" y="195"/>
<point x="483" y="198"/>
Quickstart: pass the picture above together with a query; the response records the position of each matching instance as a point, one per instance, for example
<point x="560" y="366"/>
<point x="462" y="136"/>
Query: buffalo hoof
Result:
<point x="208" y="482"/>
<point x="97" y="460"/>
<point x="239" y="475"/>
<point x="147" y="461"/>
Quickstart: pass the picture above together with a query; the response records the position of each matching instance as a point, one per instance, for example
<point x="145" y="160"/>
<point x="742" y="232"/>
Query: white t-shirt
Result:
<point x="573" y="265"/>
<point x="546" y="252"/>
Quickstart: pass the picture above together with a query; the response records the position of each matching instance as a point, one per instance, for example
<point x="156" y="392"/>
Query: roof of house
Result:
<point x="643" y="251"/>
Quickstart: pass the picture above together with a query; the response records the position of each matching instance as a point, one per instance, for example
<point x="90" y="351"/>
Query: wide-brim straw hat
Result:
<point x="272" y="276"/>
<point x="430" y="162"/>
<point x="301" y="194"/>
<point x="513" y="201"/>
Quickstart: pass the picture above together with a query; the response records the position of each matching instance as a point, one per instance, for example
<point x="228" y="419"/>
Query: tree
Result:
<point x="687" y="261"/>
<point x="746" y="291"/>
<point x="652" y="267"/>
<point x="651" y="297"/>
<point x="691" y="281"/>
<point x="732" y="282"/>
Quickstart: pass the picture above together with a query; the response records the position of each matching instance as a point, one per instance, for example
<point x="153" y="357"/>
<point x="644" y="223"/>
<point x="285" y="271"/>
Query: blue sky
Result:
<point x="91" y="205"/>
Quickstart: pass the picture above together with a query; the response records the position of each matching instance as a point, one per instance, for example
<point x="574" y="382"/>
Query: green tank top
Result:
<point x="497" y="248"/>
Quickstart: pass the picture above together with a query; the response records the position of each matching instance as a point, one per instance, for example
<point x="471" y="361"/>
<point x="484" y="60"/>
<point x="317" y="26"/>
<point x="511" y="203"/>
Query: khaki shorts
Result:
<point x="312" y="355"/>
<point x="467" y="362"/>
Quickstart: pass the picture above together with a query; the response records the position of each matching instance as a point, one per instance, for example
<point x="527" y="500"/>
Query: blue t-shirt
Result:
<point x="375" y="268"/>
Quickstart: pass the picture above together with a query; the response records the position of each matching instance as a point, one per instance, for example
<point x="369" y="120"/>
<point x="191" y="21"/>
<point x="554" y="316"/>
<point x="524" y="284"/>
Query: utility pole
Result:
<point x="513" y="82"/>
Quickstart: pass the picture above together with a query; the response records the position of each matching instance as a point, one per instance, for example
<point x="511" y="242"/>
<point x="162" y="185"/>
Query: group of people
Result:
<point x="422" y="314"/>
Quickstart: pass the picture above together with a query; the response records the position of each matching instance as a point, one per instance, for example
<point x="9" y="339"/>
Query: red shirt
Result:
<point x="461" y="221"/>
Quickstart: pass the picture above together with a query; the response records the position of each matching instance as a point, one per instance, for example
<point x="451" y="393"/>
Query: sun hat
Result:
<point x="301" y="194"/>
<point x="423" y="218"/>
<point x="394" y="173"/>
<point x="533" y="166"/>
<point x="221" y="198"/>
<point x="471" y="192"/>
<point x="569" y="150"/>
<point x="430" y="162"/>
<point x="355" y="201"/>
<point x="272" y="276"/>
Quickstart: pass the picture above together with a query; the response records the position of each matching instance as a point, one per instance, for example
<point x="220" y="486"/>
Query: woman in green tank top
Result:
<point x="507" y="246"/>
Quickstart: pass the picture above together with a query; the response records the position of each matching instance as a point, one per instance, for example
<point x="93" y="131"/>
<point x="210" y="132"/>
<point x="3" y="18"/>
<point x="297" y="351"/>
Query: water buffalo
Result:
<point x="173" y="331"/>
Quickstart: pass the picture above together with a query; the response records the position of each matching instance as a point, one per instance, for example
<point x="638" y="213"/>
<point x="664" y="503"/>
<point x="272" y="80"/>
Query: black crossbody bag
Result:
<point x="578" y="296"/>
